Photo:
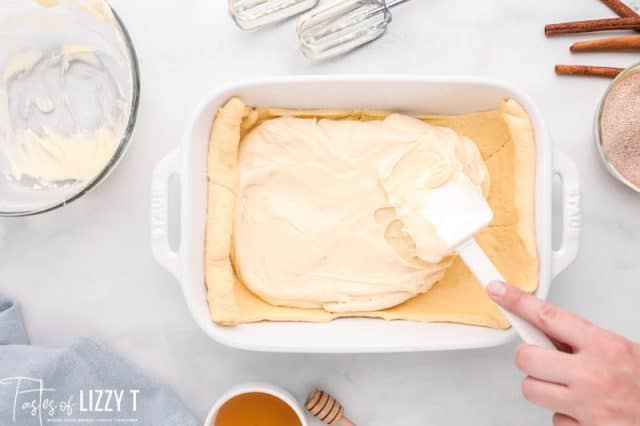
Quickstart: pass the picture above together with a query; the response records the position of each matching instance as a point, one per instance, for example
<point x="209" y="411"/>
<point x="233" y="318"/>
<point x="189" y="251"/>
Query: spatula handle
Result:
<point x="485" y="271"/>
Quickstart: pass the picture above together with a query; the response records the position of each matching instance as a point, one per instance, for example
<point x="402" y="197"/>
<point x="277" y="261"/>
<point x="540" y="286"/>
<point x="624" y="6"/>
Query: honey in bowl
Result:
<point x="256" y="409"/>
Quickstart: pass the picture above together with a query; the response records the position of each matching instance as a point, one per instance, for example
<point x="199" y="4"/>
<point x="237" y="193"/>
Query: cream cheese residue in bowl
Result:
<point x="67" y="95"/>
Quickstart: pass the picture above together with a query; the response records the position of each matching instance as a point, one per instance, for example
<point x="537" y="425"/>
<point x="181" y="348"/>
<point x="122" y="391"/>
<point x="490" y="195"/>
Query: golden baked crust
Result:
<point x="505" y="139"/>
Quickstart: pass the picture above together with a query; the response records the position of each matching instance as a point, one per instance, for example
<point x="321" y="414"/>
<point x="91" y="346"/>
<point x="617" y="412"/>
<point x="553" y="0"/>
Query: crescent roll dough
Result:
<point x="505" y="139"/>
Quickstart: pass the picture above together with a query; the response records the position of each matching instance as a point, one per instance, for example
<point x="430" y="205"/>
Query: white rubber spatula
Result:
<point x="459" y="211"/>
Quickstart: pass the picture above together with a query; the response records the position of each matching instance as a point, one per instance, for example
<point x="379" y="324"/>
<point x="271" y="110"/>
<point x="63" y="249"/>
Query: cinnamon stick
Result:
<point x="608" y="44"/>
<point x="609" y="72"/>
<point x="593" y="25"/>
<point x="620" y="8"/>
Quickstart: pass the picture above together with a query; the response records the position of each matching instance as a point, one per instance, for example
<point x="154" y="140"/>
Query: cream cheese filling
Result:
<point x="53" y="157"/>
<point x="327" y="212"/>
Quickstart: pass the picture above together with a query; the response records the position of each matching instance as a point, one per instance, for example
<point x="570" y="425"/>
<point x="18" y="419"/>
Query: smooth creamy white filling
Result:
<point x="410" y="176"/>
<point x="326" y="211"/>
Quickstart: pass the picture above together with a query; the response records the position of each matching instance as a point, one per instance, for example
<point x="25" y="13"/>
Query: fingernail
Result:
<point x="496" y="289"/>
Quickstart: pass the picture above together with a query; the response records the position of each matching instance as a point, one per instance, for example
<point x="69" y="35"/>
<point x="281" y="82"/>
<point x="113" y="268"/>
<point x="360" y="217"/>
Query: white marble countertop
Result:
<point x="87" y="270"/>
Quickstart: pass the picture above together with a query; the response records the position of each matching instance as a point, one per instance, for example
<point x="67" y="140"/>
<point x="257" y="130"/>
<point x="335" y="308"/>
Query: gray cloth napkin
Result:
<point x="81" y="384"/>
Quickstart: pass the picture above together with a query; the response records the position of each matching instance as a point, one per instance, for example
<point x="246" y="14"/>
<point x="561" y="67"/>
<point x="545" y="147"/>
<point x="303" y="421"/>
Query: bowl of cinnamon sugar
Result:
<point x="618" y="127"/>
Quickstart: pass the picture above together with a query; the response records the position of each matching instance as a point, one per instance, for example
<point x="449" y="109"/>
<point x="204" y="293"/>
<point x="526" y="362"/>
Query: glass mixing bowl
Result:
<point x="58" y="28"/>
<point x="598" y="128"/>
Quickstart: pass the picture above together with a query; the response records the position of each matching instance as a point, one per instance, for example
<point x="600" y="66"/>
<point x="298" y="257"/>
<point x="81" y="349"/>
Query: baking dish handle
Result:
<point x="571" y="215"/>
<point x="162" y="251"/>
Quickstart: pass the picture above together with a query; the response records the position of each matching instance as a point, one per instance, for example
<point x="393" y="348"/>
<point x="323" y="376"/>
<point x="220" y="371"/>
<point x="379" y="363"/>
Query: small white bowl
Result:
<point x="269" y="389"/>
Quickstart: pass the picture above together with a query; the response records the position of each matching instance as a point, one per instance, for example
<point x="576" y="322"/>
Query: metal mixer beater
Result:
<point x="325" y="31"/>
<point x="343" y="25"/>
<point x="254" y="14"/>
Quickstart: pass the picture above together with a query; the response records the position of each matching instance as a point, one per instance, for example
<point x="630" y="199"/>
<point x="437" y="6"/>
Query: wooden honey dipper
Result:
<point x="327" y="409"/>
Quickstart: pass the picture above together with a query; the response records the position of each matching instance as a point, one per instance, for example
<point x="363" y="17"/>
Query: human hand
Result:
<point x="594" y="377"/>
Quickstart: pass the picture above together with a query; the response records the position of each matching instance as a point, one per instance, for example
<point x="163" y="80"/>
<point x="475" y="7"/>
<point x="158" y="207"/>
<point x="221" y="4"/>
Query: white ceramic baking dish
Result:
<point x="439" y="95"/>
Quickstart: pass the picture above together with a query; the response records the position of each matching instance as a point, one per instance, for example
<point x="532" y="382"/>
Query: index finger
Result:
<point x="555" y="322"/>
